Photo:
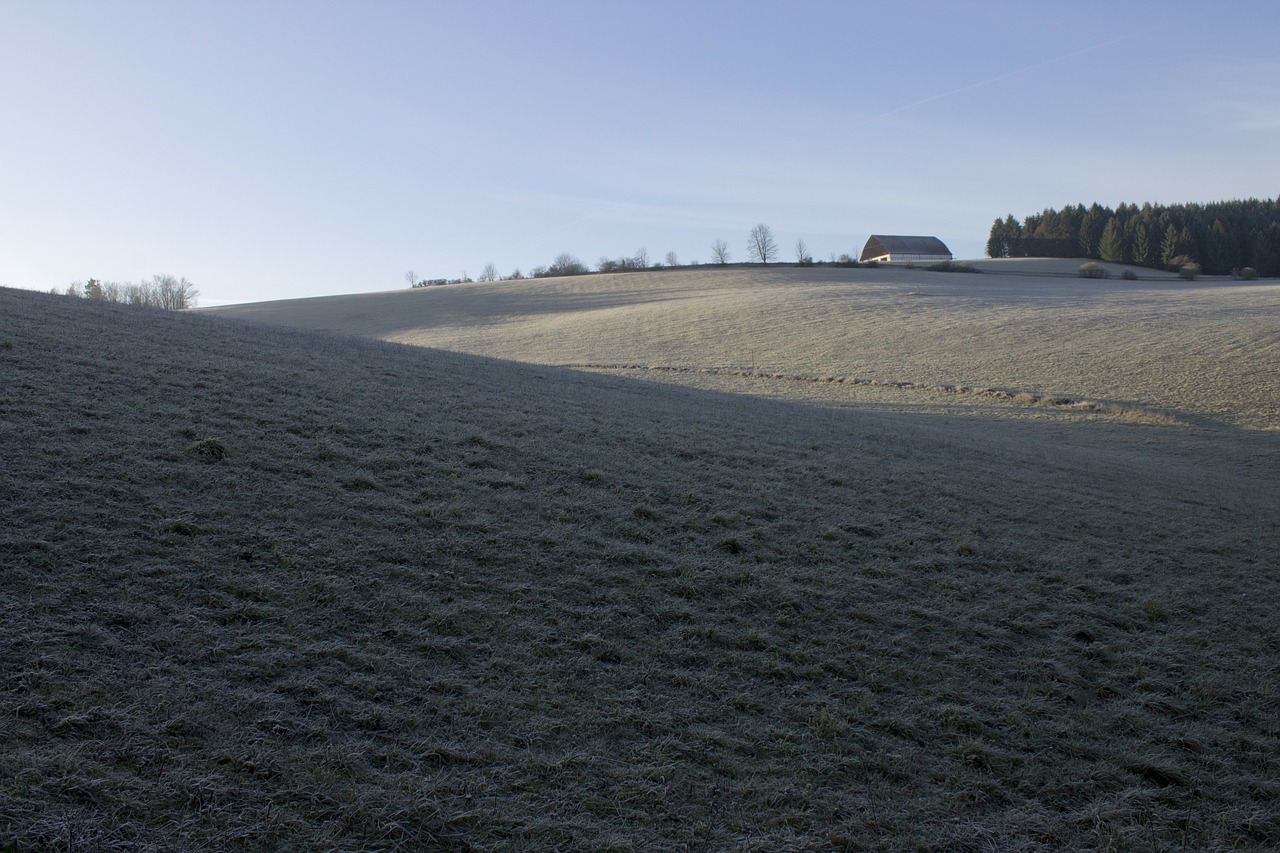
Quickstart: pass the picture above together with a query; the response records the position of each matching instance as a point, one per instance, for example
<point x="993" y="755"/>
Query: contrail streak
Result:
<point x="997" y="79"/>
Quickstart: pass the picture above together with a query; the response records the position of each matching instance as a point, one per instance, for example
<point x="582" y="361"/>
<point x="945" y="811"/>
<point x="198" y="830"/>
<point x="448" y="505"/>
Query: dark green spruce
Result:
<point x="1222" y="236"/>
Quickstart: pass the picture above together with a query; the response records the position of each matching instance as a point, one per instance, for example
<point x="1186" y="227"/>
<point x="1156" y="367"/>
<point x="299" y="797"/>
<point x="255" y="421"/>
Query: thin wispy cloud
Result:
<point x="1001" y="77"/>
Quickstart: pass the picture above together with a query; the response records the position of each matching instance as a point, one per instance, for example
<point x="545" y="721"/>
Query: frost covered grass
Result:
<point x="281" y="589"/>
<point x="1208" y="349"/>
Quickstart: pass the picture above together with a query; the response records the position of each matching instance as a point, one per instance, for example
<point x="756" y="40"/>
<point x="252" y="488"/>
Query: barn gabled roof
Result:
<point x="893" y="244"/>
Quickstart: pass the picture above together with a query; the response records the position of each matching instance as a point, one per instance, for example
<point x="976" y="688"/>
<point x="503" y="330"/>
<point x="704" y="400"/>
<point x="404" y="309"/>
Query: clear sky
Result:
<point x="274" y="149"/>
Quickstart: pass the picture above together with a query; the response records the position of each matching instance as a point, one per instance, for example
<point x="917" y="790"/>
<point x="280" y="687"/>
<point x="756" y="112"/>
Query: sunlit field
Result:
<point x="749" y="559"/>
<point x="1206" y="350"/>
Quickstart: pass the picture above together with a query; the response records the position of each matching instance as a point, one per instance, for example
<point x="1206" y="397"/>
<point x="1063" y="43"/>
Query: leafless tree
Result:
<point x="802" y="254"/>
<point x="672" y="260"/>
<point x="761" y="246"/>
<point x="171" y="293"/>
<point x="489" y="273"/>
<point x="642" y="258"/>
<point x="566" y="264"/>
<point x="160" y="291"/>
<point x="411" y="277"/>
<point x="720" y="252"/>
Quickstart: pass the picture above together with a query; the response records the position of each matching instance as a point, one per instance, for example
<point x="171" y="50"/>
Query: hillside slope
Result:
<point x="1203" y="350"/>
<point x="278" y="589"/>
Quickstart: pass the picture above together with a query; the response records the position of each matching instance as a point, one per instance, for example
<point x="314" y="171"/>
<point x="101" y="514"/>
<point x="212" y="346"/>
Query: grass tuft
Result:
<point x="731" y="545"/>
<point x="209" y="450"/>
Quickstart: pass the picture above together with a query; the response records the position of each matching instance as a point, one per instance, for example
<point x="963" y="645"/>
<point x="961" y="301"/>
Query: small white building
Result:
<point x="890" y="248"/>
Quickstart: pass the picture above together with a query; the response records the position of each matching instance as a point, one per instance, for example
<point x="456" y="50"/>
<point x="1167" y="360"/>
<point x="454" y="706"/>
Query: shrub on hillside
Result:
<point x="1189" y="271"/>
<point x="1129" y="275"/>
<point x="621" y="264"/>
<point x="1248" y="274"/>
<point x="950" y="266"/>
<point x="1093" y="269"/>
<point x="564" y="264"/>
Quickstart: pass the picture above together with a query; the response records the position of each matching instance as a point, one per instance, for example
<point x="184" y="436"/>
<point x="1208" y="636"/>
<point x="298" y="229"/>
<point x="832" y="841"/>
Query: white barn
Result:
<point x="890" y="248"/>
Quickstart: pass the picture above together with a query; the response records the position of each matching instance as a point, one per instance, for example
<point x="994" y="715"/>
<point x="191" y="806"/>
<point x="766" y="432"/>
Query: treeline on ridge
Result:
<point x="1221" y="237"/>
<point x="160" y="291"/>
<point x="762" y="248"/>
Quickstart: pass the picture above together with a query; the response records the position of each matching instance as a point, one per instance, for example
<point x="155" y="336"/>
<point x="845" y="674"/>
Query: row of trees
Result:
<point x="160" y="291"/>
<point x="1220" y="237"/>
<point x="762" y="247"/>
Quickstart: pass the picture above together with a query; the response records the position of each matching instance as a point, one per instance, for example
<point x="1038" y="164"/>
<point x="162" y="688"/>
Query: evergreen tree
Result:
<point x="1220" y="255"/>
<point x="1187" y="242"/>
<point x="1266" y="251"/>
<point x="1111" y="246"/>
<point x="1069" y="224"/>
<point x="1223" y="235"/>
<point x="1013" y="237"/>
<point x="1169" y="246"/>
<point x="997" y="247"/>
<point x="1088" y="235"/>
<point x="1139" y="242"/>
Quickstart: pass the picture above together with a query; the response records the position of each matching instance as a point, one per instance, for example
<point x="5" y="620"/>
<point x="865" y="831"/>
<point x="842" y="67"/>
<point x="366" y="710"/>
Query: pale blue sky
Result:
<point x="274" y="149"/>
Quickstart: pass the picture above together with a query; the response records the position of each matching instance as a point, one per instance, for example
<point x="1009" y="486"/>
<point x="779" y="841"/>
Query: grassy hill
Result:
<point x="1202" y="350"/>
<point x="270" y="588"/>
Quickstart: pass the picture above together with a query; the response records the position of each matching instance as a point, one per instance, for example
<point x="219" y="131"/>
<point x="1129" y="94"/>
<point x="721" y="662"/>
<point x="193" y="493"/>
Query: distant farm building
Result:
<point x="890" y="248"/>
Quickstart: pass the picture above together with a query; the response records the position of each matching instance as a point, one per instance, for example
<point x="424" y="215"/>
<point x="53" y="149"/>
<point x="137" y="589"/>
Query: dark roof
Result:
<point x="891" y="244"/>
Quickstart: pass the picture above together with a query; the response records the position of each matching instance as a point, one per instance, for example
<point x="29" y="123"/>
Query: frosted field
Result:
<point x="1204" y="352"/>
<point x="278" y="589"/>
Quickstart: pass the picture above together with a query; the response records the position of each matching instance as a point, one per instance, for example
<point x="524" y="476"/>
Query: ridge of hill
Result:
<point x="1201" y="350"/>
<point x="270" y="588"/>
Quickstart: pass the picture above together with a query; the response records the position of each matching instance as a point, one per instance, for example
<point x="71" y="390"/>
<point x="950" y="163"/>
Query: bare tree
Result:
<point x="803" y="258"/>
<point x="411" y="277"/>
<point x="720" y="252"/>
<point x="761" y="246"/>
<point x="171" y="293"/>
<point x="642" y="258"/>
<point x="672" y="260"/>
<point x="489" y="273"/>
<point x="161" y="291"/>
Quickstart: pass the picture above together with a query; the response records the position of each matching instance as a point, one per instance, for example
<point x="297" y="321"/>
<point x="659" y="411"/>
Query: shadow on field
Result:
<point x="384" y="315"/>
